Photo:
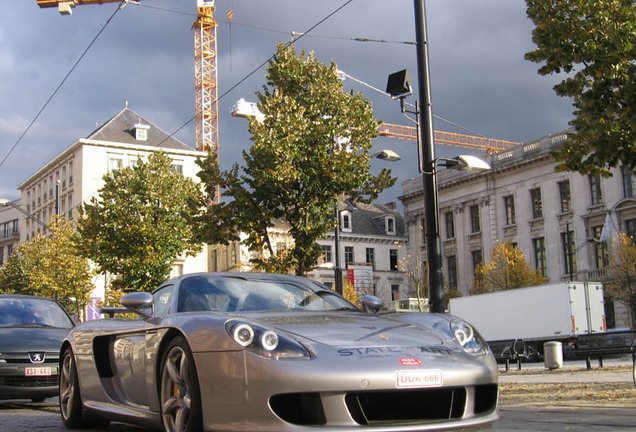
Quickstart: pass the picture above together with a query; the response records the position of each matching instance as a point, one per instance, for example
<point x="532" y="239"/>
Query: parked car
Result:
<point x="242" y="352"/>
<point x="31" y="332"/>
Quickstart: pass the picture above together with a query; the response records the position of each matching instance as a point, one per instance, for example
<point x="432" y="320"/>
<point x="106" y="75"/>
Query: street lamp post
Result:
<point x="427" y="154"/>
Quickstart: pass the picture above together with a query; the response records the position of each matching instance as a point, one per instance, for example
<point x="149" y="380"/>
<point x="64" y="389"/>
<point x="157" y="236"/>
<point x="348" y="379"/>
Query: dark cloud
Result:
<point x="145" y="57"/>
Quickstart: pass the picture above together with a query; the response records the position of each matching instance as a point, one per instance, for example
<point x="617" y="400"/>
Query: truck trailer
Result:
<point x="516" y="323"/>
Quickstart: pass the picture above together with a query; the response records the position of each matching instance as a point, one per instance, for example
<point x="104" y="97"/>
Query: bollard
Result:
<point x="553" y="355"/>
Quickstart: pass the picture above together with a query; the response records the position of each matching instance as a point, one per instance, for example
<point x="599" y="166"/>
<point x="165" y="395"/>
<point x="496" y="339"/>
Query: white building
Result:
<point x="76" y="174"/>
<point x="554" y="218"/>
<point x="372" y="245"/>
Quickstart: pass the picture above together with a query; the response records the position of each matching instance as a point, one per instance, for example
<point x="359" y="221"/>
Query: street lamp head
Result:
<point x="464" y="163"/>
<point x="399" y="84"/>
<point x="386" y="155"/>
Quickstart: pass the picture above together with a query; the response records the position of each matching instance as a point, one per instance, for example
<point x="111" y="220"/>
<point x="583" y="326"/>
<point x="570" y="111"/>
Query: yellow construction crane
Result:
<point x="205" y="68"/>
<point x="488" y="145"/>
<point x="243" y="108"/>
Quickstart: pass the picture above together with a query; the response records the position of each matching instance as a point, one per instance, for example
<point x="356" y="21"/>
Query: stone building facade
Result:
<point x="554" y="218"/>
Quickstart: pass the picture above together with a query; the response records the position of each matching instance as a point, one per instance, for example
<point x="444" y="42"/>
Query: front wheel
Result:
<point x="70" y="398"/>
<point x="179" y="389"/>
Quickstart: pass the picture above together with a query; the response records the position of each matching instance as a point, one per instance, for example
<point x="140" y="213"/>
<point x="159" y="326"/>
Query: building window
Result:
<point x="540" y="260"/>
<point x="565" y="196"/>
<point x="390" y="225"/>
<point x="630" y="228"/>
<point x="370" y="256"/>
<point x="141" y="132"/>
<point x="326" y="253"/>
<point x="450" y="225"/>
<point x="595" y="190"/>
<point x="1" y="255"/>
<point x="601" y="257"/>
<point x="509" y="204"/>
<point x="395" y="292"/>
<point x="477" y="259"/>
<point x="114" y="163"/>
<point x="345" y="221"/>
<point x="537" y="204"/>
<point x="348" y="254"/>
<point x="70" y="173"/>
<point x="70" y="206"/>
<point x="475" y="225"/>
<point x="569" y="255"/>
<point x="628" y="182"/>
<point x="393" y="260"/>
<point x="176" y="168"/>
<point x="451" y="263"/>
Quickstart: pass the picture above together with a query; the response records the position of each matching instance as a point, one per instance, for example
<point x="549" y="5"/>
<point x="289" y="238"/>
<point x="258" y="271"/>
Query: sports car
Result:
<point x="31" y="332"/>
<point x="265" y="352"/>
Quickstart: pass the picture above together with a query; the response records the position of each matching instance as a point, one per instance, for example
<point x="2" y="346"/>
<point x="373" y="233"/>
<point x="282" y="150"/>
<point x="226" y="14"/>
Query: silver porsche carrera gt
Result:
<point x="265" y="352"/>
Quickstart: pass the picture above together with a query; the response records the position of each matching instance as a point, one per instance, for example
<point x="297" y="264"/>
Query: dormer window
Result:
<point x="345" y="221"/>
<point x="390" y="225"/>
<point x="141" y="132"/>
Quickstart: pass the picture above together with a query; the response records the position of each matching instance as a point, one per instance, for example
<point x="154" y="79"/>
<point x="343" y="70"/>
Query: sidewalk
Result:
<point x="619" y="371"/>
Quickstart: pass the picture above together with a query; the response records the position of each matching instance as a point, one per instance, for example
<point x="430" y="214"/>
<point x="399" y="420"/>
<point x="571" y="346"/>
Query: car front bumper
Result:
<point x="241" y="391"/>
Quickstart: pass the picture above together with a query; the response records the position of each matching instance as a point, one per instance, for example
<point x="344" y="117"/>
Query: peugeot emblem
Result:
<point x="37" y="357"/>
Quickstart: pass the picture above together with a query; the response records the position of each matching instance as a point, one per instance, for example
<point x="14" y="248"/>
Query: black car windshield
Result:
<point x="201" y="293"/>
<point x="18" y="312"/>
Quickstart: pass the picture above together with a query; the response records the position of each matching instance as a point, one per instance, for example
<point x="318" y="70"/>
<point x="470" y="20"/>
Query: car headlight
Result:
<point x="468" y="338"/>
<point x="266" y="342"/>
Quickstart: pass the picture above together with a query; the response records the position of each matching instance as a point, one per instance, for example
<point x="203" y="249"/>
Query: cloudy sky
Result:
<point x="144" y="57"/>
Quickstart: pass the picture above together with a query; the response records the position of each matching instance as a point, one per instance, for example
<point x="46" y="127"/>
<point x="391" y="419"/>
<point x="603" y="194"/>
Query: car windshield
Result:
<point x="19" y="312"/>
<point x="201" y="293"/>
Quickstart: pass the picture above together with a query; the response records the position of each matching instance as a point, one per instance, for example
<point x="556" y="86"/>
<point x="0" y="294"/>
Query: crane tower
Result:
<point x="205" y="78"/>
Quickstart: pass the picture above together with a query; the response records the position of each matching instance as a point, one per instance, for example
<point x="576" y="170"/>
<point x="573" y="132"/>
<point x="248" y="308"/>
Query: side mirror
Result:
<point x="139" y="303"/>
<point x="372" y="304"/>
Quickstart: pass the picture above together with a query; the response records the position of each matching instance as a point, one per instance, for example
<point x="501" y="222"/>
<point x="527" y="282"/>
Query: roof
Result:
<point x="370" y="219"/>
<point x="120" y="129"/>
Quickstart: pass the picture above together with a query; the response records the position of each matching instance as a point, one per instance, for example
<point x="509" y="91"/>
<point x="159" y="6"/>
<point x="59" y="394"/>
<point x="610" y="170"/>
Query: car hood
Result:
<point x="22" y="339"/>
<point x="353" y="329"/>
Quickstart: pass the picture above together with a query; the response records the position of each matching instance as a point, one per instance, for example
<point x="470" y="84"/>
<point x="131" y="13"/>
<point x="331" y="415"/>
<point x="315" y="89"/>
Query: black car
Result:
<point x="31" y="332"/>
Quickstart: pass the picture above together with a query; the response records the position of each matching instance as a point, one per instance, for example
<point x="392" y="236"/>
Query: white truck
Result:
<point x="516" y="323"/>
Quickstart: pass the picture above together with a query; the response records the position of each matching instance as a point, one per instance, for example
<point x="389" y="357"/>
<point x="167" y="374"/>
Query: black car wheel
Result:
<point x="179" y="391"/>
<point x="70" y="398"/>
<point x="70" y="401"/>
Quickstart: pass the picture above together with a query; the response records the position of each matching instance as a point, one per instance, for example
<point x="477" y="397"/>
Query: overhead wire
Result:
<point x="434" y="115"/>
<point x="68" y="74"/>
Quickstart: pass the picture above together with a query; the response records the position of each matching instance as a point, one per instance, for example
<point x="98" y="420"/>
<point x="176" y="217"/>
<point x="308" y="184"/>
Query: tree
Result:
<point x="312" y="146"/>
<point x="416" y="269"/>
<point x="622" y="273"/>
<point x="507" y="270"/>
<point x="49" y="266"/>
<point x="594" y="43"/>
<point x="140" y="223"/>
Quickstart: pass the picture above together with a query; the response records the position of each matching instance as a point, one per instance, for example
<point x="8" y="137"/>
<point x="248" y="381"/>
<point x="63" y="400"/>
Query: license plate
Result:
<point x="38" y="371"/>
<point x="419" y="378"/>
